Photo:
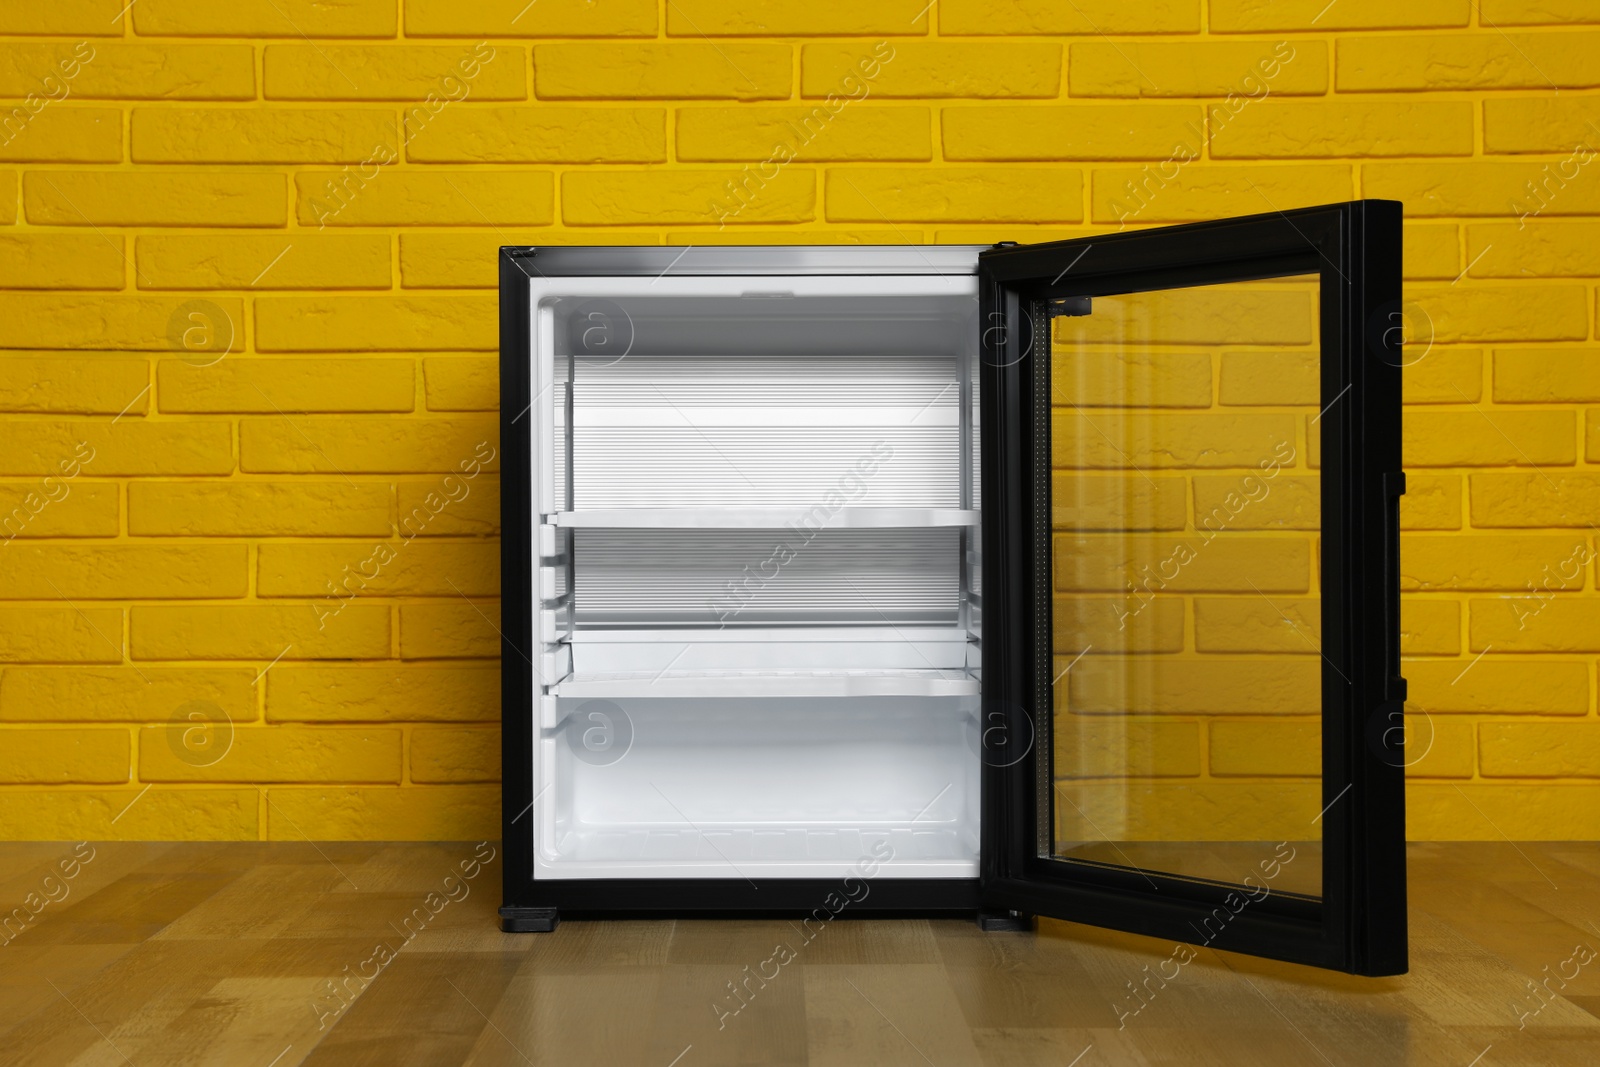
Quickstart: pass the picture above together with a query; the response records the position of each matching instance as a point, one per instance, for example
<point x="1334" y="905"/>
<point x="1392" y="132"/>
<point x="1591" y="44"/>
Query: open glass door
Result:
<point x="1193" y="706"/>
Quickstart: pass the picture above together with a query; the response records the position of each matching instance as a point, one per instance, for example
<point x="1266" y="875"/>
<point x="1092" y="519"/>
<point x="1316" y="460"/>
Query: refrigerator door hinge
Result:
<point x="1396" y="690"/>
<point x="1394" y="483"/>
<point x="1068" y="306"/>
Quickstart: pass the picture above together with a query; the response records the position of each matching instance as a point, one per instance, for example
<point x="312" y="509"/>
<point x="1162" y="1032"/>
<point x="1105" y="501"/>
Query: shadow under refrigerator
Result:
<point x="1055" y="579"/>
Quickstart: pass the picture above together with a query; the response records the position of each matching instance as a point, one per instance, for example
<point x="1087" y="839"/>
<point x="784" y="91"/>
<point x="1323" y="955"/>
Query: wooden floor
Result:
<point x="231" y="954"/>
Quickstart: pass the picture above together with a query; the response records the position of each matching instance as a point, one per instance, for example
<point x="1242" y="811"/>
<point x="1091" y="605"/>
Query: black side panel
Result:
<point x="516" y="541"/>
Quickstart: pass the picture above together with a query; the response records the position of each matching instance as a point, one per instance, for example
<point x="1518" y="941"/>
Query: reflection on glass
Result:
<point x="1186" y="528"/>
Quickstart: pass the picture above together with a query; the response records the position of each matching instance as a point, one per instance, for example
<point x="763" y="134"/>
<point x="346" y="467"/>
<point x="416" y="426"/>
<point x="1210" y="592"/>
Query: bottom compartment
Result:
<point x="758" y="788"/>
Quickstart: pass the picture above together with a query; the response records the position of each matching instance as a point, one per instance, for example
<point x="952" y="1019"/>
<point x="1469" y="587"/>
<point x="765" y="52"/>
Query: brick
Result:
<point x="1137" y="378"/>
<point x="1534" y="124"/>
<point x="376" y="323"/>
<point x="263" y="261"/>
<point x="1180" y="564"/>
<point x="1270" y="378"/>
<point x="1444" y="376"/>
<point x="1074" y="131"/>
<point x="1569" y="248"/>
<point x="160" y="815"/>
<point x="775" y="18"/>
<point x="1534" y="623"/>
<point x="102" y="571"/>
<point x="59" y="260"/>
<point x="514" y="18"/>
<point x="1433" y="562"/>
<point x="1257" y="502"/>
<point x="82" y="18"/>
<point x="442" y="507"/>
<point x="929" y="69"/>
<point x="1112" y="624"/>
<point x="1248" y="16"/>
<point x="472" y="260"/>
<point x="60" y="135"/>
<point x="1113" y="502"/>
<point x="955" y="194"/>
<point x="259" y="509"/>
<point x="1494" y="811"/>
<point x="1555" y="498"/>
<point x="122" y="694"/>
<point x="287" y="385"/>
<point x="1111" y="441"/>
<point x="78" y="385"/>
<point x="447" y="73"/>
<point x="129" y="71"/>
<point x="366" y="446"/>
<point x="1307" y="130"/>
<point x="1254" y="623"/>
<point x="132" y="323"/>
<point x="1537" y="12"/>
<point x="898" y="235"/>
<point x="1263" y="749"/>
<point x="57" y="508"/>
<point x="1429" y="627"/>
<point x="376" y="569"/>
<point x="150" y="198"/>
<point x="1210" y="686"/>
<point x="51" y="756"/>
<point x="1482" y="188"/>
<point x="1199" y="810"/>
<point x="1520" y="313"/>
<point x="463" y="383"/>
<point x="974" y="17"/>
<point x="662" y="71"/>
<point x="384" y="813"/>
<point x="1432" y="502"/>
<point x="635" y="197"/>
<point x="266" y="18"/>
<point x="258" y="631"/>
<point x="454" y="754"/>
<point x="1494" y="686"/>
<point x="1488" y="438"/>
<point x="1171" y="192"/>
<point x="1249" y="69"/>
<point x="1439" y="749"/>
<point x="8" y="197"/>
<point x="1546" y="375"/>
<point x="60" y="635"/>
<point x="264" y="135"/>
<point x="1431" y="250"/>
<point x="1122" y="748"/>
<point x="1591" y="434"/>
<point x="432" y="198"/>
<point x="111" y="814"/>
<point x="115" y="449"/>
<point x="449" y="630"/>
<point x="545" y="134"/>
<point x="1468" y="61"/>
<point x="1242" y="314"/>
<point x="432" y="693"/>
<point x="1540" y="749"/>
<point x="715" y="134"/>
<point x="274" y="754"/>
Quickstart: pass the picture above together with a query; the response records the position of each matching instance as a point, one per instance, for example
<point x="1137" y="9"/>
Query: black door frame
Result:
<point x="1359" y="922"/>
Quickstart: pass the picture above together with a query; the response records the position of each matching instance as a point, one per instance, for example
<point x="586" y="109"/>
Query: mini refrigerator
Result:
<point x="996" y="582"/>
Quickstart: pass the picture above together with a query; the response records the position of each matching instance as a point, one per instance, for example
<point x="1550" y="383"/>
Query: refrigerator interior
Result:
<point x="758" y="572"/>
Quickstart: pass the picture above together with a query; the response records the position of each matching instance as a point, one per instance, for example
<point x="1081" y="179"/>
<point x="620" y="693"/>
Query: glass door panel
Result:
<point x="1191" y="617"/>
<point x="1185" y="503"/>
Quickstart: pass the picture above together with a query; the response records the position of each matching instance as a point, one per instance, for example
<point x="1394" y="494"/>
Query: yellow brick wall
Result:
<point x="248" y="326"/>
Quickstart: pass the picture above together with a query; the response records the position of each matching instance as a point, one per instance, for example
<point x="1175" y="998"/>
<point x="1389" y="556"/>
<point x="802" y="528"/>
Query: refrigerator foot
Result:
<point x="1004" y="921"/>
<point x="528" y="920"/>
